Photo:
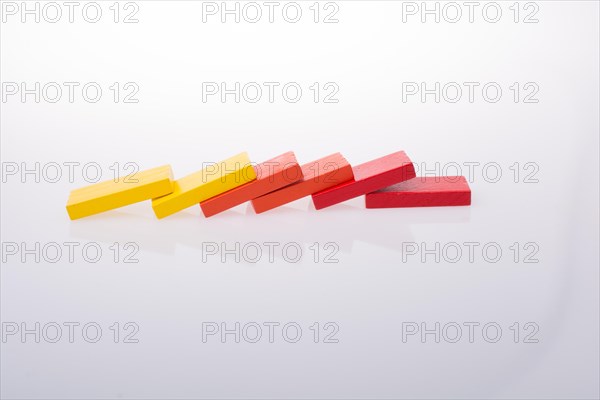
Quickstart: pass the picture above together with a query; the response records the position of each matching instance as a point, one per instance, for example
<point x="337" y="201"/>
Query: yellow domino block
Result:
<point x="108" y="195"/>
<point x="202" y="185"/>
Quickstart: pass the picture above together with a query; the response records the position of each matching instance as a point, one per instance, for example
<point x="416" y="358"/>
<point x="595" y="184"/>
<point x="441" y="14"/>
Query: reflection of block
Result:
<point x="368" y="177"/>
<point x="202" y="185"/>
<point x="270" y="175"/>
<point x="115" y="193"/>
<point x="431" y="191"/>
<point x="318" y="175"/>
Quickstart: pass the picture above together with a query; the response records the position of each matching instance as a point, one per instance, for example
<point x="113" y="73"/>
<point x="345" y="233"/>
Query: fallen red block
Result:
<point x="368" y="177"/>
<point x="433" y="191"/>
<point x="318" y="175"/>
<point x="271" y="175"/>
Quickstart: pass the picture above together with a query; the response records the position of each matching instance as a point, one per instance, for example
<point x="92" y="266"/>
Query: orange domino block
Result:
<point x="317" y="175"/>
<point x="271" y="175"/>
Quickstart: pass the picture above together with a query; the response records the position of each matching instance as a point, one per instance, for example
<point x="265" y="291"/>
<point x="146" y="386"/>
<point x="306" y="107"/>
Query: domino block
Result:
<point x="111" y="194"/>
<point x="431" y="191"/>
<point x="202" y="185"/>
<point x="271" y="175"/>
<point x="368" y="177"/>
<point x="317" y="175"/>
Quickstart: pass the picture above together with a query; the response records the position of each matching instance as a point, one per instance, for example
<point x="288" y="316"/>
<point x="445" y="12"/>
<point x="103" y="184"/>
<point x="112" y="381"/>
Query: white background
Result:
<point x="375" y="288"/>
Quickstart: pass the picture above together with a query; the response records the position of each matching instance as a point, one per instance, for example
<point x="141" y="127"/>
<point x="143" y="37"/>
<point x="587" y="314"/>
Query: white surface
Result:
<point x="372" y="290"/>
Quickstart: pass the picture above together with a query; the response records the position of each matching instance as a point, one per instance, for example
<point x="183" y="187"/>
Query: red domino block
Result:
<point x="318" y="175"/>
<point x="368" y="177"/>
<point x="434" y="191"/>
<point x="271" y="175"/>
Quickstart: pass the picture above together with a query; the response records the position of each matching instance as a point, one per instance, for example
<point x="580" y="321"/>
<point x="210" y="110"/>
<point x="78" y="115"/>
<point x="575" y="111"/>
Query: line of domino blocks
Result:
<point x="386" y="182"/>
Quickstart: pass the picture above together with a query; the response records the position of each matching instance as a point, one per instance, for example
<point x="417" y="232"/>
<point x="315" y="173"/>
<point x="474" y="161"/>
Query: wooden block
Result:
<point x="317" y="175"/>
<point x="428" y="191"/>
<point x="271" y="175"/>
<point x="368" y="177"/>
<point x="108" y="195"/>
<point x="202" y="185"/>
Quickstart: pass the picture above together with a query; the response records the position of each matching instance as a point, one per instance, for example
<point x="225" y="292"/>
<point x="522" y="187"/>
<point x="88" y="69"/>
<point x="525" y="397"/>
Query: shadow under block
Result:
<point x="202" y="185"/>
<point x="431" y="191"/>
<point x="111" y="194"/>
<point x="271" y="175"/>
<point x="317" y="175"/>
<point x="368" y="177"/>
